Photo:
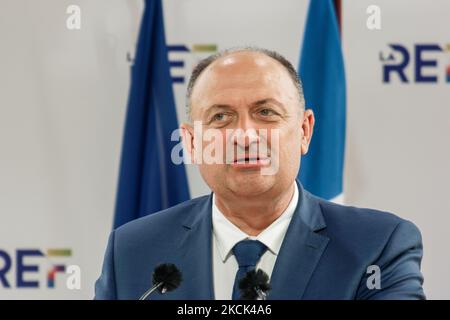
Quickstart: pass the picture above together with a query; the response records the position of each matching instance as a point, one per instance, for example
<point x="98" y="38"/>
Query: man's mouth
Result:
<point x="251" y="161"/>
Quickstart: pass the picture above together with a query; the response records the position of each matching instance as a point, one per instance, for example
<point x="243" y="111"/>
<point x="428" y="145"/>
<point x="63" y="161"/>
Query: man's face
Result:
<point x="250" y="99"/>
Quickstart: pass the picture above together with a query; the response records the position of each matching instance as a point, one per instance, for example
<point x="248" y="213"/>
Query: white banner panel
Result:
<point x="398" y="133"/>
<point x="62" y="106"/>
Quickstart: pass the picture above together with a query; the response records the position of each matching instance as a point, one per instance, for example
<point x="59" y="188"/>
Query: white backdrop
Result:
<point x="398" y="141"/>
<point x="62" y="105"/>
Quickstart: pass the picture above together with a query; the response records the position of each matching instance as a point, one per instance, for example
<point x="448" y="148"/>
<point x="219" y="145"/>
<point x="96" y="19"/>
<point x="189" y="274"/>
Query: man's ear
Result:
<point x="187" y="135"/>
<point x="307" y="130"/>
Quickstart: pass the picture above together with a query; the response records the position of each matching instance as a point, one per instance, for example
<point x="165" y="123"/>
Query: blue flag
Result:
<point x="148" y="180"/>
<point x="323" y="76"/>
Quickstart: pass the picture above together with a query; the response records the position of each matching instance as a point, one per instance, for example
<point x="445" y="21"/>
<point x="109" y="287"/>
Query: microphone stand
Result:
<point x="262" y="295"/>
<point x="152" y="289"/>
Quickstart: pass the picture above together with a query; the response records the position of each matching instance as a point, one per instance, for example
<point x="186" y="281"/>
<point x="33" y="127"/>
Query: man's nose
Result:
<point x="246" y="133"/>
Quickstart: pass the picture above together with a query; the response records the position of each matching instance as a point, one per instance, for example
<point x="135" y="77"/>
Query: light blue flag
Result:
<point x="323" y="76"/>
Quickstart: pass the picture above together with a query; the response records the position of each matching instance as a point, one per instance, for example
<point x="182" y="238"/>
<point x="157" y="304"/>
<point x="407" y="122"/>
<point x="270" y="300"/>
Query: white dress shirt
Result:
<point x="226" y="235"/>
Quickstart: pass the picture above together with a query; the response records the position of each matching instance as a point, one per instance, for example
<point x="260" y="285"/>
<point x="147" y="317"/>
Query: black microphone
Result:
<point x="166" y="277"/>
<point x="255" y="285"/>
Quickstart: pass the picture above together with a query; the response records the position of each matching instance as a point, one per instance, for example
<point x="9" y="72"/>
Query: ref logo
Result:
<point x="16" y="266"/>
<point x="424" y="60"/>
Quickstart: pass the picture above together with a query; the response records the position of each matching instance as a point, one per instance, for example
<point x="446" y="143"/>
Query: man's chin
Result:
<point x="250" y="184"/>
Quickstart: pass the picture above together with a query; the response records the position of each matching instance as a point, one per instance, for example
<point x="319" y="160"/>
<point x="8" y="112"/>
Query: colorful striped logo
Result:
<point x="51" y="275"/>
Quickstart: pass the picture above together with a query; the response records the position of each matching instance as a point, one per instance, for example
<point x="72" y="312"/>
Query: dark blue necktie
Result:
<point x="247" y="253"/>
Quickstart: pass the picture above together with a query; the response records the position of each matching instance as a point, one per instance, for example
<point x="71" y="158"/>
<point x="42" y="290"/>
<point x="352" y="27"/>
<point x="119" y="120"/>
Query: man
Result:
<point x="310" y="248"/>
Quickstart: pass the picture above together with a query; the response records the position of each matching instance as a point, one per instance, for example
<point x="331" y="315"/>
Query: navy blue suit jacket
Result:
<point x="325" y="254"/>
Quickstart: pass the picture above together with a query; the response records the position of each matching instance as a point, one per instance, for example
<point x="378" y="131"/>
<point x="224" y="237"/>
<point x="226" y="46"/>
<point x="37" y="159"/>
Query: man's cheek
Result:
<point x="274" y="143"/>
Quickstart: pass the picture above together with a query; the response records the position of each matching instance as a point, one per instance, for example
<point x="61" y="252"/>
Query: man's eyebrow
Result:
<point x="268" y="101"/>
<point x="219" y="106"/>
<point x="214" y="107"/>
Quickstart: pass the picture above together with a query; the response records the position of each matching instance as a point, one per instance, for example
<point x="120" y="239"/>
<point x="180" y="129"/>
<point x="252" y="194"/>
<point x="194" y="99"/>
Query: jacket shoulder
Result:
<point x="365" y="230"/>
<point x="357" y="218"/>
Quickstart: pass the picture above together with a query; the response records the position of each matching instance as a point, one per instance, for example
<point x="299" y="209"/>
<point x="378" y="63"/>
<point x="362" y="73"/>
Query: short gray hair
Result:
<point x="203" y="64"/>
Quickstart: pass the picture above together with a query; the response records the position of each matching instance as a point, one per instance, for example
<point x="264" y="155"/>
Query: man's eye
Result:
<point x="266" y="112"/>
<point x="219" y="117"/>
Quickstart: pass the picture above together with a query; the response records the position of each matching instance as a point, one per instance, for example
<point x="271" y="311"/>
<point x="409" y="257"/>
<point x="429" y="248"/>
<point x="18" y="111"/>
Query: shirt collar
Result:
<point x="227" y="234"/>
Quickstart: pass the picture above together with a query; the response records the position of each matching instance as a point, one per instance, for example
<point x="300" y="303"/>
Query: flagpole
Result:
<point x="338" y="9"/>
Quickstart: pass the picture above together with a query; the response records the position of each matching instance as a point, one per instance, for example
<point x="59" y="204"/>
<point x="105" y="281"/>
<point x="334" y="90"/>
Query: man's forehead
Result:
<point x="244" y="61"/>
<point x="240" y="70"/>
<point x="239" y="79"/>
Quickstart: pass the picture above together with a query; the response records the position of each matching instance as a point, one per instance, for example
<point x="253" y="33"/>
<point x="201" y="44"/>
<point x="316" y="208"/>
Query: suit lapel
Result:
<point x="301" y="250"/>
<point x="196" y="248"/>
